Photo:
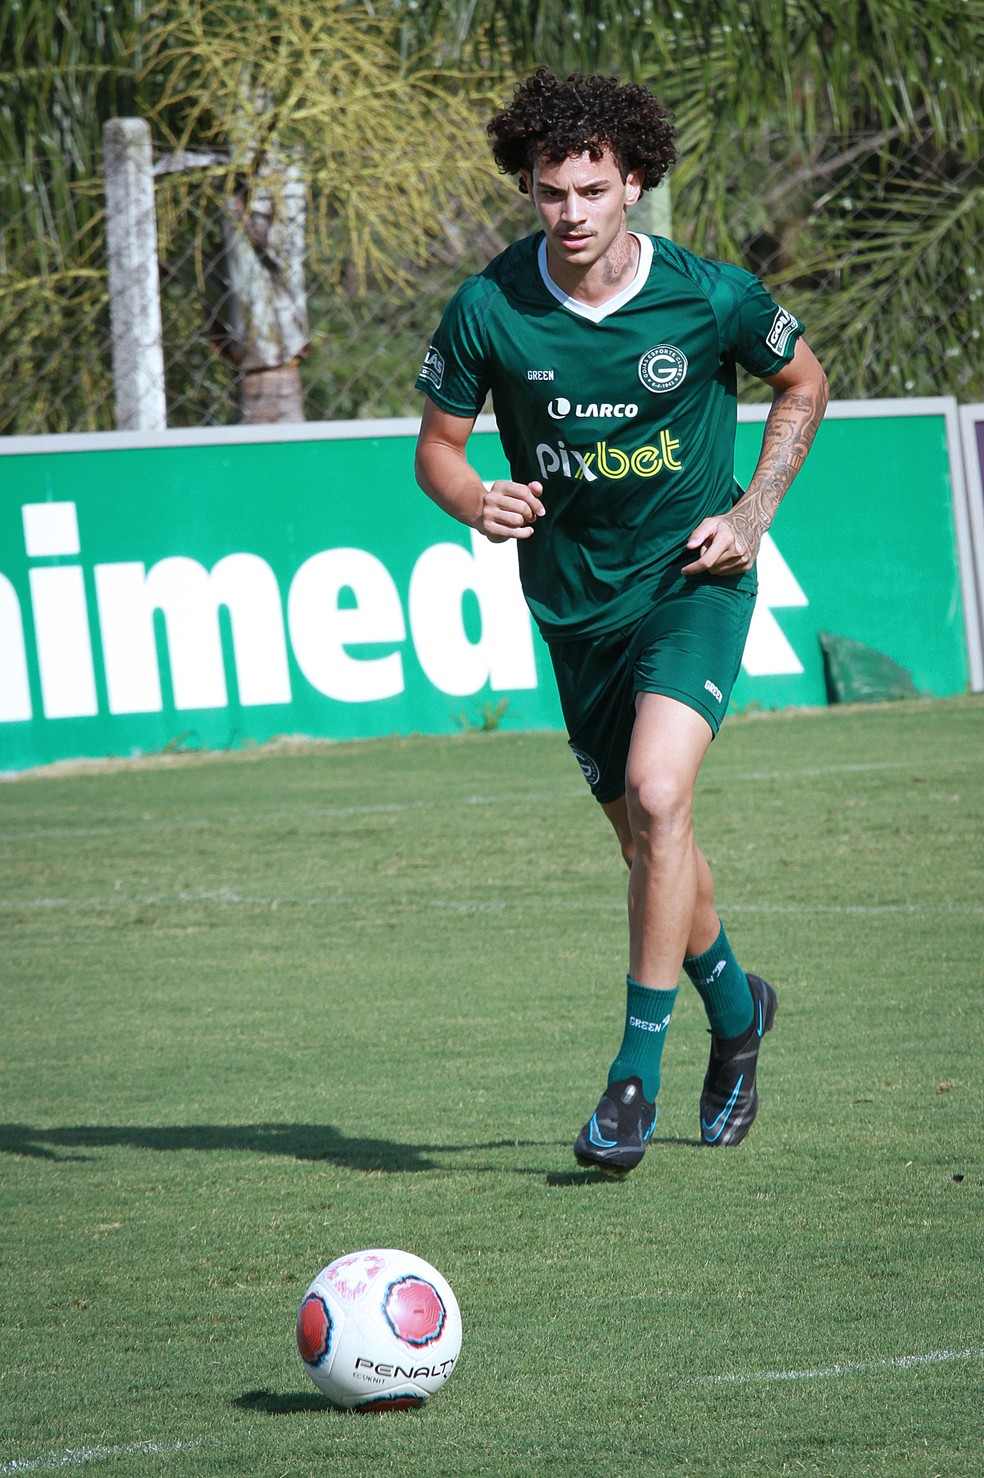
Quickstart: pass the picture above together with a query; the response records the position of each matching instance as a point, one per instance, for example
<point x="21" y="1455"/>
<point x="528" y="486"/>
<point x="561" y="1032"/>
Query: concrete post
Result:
<point x="134" y="283"/>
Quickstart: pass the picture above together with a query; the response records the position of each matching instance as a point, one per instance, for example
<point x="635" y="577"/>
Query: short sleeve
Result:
<point x="756" y="331"/>
<point x="455" y="372"/>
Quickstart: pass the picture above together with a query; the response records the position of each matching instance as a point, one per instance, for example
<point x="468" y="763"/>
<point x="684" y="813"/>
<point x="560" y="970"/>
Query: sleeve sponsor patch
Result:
<point x="782" y="326"/>
<point x="433" y="367"/>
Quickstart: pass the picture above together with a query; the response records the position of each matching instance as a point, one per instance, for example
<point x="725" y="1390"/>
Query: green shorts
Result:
<point x="687" y="647"/>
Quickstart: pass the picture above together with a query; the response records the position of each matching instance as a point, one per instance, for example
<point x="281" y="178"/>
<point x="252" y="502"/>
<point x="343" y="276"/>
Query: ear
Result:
<point x="526" y="182"/>
<point x="633" y="186"/>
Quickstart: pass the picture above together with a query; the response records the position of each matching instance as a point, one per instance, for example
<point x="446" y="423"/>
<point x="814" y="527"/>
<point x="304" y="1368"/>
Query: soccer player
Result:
<point x="610" y="357"/>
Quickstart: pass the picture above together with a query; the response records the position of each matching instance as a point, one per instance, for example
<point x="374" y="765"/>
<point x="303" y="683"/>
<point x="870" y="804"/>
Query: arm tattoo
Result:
<point x="789" y="431"/>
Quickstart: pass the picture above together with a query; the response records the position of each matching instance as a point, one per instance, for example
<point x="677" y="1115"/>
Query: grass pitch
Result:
<point x="258" y="1011"/>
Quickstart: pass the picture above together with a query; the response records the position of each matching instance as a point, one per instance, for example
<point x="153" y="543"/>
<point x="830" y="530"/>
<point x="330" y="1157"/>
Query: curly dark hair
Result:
<point x="548" y="120"/>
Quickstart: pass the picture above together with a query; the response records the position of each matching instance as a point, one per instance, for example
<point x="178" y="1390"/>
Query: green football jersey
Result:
<point x="626" y="414"/>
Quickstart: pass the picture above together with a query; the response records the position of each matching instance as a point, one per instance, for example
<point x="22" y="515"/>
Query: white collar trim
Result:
<point x="596" y="314"/>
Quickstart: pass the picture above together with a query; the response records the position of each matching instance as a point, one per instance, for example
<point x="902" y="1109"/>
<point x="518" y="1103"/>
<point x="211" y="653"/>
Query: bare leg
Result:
<point x="706" y="923"/>
<point x="671" y="890"/>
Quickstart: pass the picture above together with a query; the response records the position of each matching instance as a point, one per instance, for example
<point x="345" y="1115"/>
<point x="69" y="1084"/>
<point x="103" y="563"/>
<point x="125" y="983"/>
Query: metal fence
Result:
<point x="879" y="253"/>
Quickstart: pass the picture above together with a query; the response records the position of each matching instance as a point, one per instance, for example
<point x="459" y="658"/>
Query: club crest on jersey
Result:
<point x="433" y="367"/>
<point x="589" y="767"/>
<point x="663" y="368"/>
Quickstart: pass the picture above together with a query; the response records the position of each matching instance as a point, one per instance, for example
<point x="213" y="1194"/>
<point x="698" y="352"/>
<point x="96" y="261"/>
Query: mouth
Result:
<point x="572" y="240"/>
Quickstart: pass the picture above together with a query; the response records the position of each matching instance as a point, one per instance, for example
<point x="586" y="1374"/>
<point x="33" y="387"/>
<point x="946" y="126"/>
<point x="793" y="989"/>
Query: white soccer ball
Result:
<point x="379" y="1330"/>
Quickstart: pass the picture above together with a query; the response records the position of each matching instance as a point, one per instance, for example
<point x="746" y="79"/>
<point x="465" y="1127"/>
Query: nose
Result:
<point x="573" y="208"/>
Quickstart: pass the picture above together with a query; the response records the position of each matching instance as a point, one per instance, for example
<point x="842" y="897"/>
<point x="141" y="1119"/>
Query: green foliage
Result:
<point x="839" y="155"/>
<point x="54" y="325"/>
<point x="743" y="64"/>
<point x="485" y="720"/>
<point x="887" y="275"/>
<point x="62" y="71"/>
<point x="367" y="349"/>
<point x="392" y="148"/>
<point x="261" y="1010"/>
<point x="509" y="37"/>
<point x="834" y="150"/>
<point x="389" y="147"/>
<point x="837" y="151"/>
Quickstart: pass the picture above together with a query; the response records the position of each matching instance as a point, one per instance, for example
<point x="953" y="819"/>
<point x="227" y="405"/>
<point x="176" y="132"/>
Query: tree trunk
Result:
<point x="263" y="227"/>
<point x="270" y="395"/>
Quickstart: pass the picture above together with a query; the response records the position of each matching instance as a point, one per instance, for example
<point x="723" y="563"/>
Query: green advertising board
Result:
<point x="865" y="547"/>
<point x="223" y="587"/>
<point x="210" y="593"/>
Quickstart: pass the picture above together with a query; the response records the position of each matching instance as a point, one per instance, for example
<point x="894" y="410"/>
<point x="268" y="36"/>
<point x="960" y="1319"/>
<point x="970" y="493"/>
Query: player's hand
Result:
<point x="510" y="510"/>
<point x="721" y="547"/>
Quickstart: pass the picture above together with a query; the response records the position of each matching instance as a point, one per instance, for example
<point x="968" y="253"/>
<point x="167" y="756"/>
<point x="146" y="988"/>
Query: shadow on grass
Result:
<point x="316" y="1142"/>
<point x="292" y="1403"/>
<point x="582" y="1177"/>
<point x="586" y="1177"/>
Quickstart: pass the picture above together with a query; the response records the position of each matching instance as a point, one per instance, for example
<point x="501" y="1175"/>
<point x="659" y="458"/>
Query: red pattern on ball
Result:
<point x="313" y="1329"/>
<point x="415" y="1311"/>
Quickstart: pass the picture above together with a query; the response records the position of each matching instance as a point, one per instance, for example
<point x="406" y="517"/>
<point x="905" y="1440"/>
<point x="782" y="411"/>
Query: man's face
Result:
<point x="581" y="204"/>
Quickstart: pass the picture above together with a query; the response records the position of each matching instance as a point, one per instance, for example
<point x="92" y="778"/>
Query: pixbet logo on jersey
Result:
<point x="608" y="461"/>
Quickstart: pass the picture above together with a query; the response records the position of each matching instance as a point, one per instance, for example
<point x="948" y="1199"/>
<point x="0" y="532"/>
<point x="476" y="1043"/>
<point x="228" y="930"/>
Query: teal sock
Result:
<point x="722" y="985"/>
<point x="647" y="1015"/>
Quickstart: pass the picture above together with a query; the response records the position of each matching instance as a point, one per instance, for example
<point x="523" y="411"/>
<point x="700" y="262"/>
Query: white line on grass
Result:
<point x="254" y="819"/>
<point x="863" y="910"/>
<point x="813" y="772"/>
<point x="226" y="897"/>
<point x="830" y="1372"/>
<point x="78" y="1456"/>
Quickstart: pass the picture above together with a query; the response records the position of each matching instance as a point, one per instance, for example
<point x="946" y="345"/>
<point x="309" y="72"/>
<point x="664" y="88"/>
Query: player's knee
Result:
<point x="660" y="810"/>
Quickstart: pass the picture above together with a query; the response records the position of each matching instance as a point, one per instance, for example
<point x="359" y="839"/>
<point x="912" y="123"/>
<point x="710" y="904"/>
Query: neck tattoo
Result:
<point x="620" y="258"/>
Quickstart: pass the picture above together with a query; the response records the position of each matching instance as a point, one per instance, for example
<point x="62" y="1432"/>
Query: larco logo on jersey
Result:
<point x="594" y="411"/>
<point x="663" y="368"/>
